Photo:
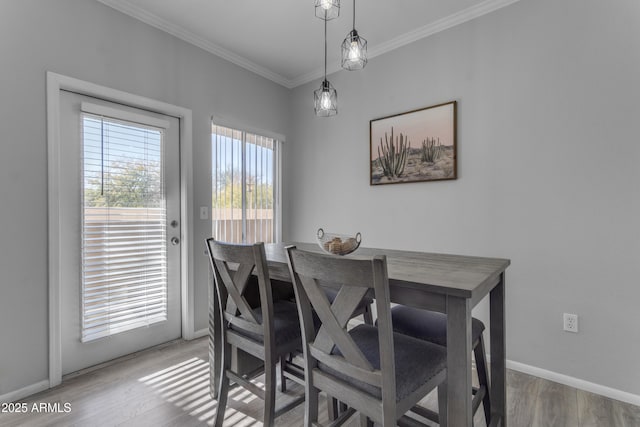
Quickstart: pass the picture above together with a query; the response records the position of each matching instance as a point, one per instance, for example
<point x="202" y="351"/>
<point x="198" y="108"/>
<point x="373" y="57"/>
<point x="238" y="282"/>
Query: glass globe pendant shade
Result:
<point x="327" y="9"/>
<point x="325" y="100"/>
<point x="354" y="52"/>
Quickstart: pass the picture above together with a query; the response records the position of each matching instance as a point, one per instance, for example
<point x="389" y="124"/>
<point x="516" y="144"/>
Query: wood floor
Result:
<point x="167" y="386"/>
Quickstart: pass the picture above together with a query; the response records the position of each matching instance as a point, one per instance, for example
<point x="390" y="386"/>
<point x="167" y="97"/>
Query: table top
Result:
<point x="456" y="275"/>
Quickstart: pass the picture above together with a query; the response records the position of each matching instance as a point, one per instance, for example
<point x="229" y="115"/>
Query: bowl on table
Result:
<point x="338" y="244"/>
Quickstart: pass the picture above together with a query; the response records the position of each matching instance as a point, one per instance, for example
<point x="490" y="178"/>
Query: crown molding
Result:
<point x="127" y="8"/>
<point x="447" y="22"/>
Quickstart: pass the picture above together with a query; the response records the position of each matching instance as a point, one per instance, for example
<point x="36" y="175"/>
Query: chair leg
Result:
<point x="283" y="379"/>
<point x="223" y="392"/>
<point x="483" y="377"/>
<point x="442" y="403"/>
<point x="269" y="393"/>
<point x="310" y="406"/>
<point x="223" y="386"/>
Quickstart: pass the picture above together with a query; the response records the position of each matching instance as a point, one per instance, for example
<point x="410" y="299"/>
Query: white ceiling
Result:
<point x="282" y="40"/>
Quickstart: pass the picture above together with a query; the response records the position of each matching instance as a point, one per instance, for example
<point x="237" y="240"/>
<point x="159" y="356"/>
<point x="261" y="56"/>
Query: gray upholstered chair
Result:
<point x="432" y="326"/>
<point x="268" y="332"/>
<point x="372" y="370"/>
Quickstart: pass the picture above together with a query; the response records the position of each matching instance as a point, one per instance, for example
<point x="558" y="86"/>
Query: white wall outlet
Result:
<point x="570" y="322"/>
<point x="204" y="212"/>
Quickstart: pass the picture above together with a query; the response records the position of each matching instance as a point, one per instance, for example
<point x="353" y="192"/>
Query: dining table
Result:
<point x="447" y="283"/>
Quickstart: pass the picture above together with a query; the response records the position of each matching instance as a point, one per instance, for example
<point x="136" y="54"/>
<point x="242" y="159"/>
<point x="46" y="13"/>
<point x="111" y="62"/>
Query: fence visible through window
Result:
<point x="243" y="186"/>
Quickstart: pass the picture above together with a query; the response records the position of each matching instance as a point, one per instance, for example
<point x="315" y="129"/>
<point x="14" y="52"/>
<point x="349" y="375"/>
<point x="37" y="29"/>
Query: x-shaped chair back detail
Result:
<point x="231" y="284"/>
<point x="356" y="278"/>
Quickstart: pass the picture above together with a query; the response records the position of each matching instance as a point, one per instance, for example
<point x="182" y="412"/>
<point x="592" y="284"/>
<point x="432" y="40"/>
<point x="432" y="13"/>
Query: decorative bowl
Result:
<point x="338" y="244"/>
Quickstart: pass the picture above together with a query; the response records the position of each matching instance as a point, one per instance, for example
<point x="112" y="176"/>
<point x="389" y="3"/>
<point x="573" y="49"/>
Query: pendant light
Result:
<point x="325" y="99"/>
<point x="327" y="9"/>
<point x="354" y="48"/>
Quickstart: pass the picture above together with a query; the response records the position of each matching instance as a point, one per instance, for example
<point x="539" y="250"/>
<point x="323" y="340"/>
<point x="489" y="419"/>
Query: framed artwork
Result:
<point x="415" y="146"/>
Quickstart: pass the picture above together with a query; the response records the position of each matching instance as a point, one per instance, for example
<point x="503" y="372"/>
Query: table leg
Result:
<point x="459" y="410"/>
<point x="498" y="355"/>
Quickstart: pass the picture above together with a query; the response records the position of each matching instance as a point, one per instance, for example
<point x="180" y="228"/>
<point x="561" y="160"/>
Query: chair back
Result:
<point x="233" y="265"/>
<point x="355" y="278"/>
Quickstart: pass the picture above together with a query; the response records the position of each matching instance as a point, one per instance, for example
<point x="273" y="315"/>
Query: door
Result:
<point x="120" y="230"/>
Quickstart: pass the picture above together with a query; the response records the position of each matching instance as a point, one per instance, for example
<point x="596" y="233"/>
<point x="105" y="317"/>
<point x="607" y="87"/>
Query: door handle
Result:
<point x="175" y="241"/>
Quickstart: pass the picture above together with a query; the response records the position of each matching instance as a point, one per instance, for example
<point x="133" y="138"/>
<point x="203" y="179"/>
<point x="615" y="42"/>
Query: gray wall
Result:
<point x="87" y="40"/>
<point x="548" y="107"/>
<point x="548" y="156"/>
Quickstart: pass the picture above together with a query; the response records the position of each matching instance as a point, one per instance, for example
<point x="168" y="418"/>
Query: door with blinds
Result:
<point x="120" y="231"/>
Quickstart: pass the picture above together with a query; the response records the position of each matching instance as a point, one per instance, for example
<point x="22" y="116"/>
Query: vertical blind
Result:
<point x="124" y="253"/>
<point x="244" y="176"/>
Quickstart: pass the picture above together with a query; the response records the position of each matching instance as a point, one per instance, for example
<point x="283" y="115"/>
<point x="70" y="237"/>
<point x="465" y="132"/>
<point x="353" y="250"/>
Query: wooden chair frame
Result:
<point x="481" y="394"/>
<point x="230" y="284"/>
<point x="358" y="277"/>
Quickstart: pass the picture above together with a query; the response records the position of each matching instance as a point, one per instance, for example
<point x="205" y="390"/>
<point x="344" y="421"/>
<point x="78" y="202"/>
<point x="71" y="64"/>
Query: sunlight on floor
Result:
<point x="186" y="385"/>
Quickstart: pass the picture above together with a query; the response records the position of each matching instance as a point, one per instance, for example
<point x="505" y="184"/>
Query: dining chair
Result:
<point x="431" y="326"/>
<point x="372" y="370"/>
<point x="268" y="332"/>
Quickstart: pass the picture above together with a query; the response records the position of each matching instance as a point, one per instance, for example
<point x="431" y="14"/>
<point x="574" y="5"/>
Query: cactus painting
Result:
<point x="392" y="155"/>
<point x="393" y="160"/>
<point x="430" y="150"/>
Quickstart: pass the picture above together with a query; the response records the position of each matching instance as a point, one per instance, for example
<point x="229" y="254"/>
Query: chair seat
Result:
<point x="285" y="322"/>
<point x="416" y="361"/>
<point x="427" y="325"/>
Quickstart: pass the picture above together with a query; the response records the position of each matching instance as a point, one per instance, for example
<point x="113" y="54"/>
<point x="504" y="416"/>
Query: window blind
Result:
<point x="244" y="177"/>
<point x="124" y="253"/>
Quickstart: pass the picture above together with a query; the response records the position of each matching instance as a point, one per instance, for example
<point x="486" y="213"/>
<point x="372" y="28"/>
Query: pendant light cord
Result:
<point x="325" y="50"/>
<point x="354" y="14"/>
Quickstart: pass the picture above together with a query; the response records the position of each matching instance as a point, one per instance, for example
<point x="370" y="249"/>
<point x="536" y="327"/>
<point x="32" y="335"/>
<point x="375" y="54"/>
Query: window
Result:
<point x="244" y="187"/>
<point x="124" y="254"/>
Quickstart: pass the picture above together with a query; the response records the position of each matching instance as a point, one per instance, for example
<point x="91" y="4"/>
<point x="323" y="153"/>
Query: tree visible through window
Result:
<point x="243" y="186"/>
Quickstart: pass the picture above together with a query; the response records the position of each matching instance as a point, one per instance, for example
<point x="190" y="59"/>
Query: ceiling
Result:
<point x="282" y="40"/>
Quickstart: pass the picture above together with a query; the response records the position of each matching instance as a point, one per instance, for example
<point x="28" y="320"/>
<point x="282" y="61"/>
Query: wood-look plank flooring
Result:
<point x="168" y="386"/>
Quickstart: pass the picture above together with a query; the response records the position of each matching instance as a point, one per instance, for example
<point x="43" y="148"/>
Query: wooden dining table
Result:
<point x="451" y="284"/>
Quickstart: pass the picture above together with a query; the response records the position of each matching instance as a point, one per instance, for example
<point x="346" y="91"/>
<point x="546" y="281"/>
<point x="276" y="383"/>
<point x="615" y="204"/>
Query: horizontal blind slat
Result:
<point x="126" y="308"/>
<point x="130" y="316"/>
<point x="124" y="242"/>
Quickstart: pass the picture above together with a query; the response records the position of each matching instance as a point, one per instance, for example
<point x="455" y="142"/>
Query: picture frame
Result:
<point x="414" y="146"/>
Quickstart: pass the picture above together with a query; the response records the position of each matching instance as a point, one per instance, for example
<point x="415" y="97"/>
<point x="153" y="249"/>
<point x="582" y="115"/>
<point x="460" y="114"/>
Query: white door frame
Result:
<point x="56" y="83"/>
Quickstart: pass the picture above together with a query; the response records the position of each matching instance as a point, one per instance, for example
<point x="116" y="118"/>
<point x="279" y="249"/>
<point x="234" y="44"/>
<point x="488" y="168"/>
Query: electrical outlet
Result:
<point x="570" y="322"/>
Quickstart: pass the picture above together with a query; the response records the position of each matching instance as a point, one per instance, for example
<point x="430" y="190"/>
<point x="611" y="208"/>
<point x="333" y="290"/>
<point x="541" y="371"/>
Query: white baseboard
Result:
<point x="24" y="392"/>
<point x="199" y="334"/>
<point x="609" y="392"/>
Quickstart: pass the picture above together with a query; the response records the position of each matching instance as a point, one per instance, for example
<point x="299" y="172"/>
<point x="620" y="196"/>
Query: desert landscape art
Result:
<point x="415" y="146"/>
